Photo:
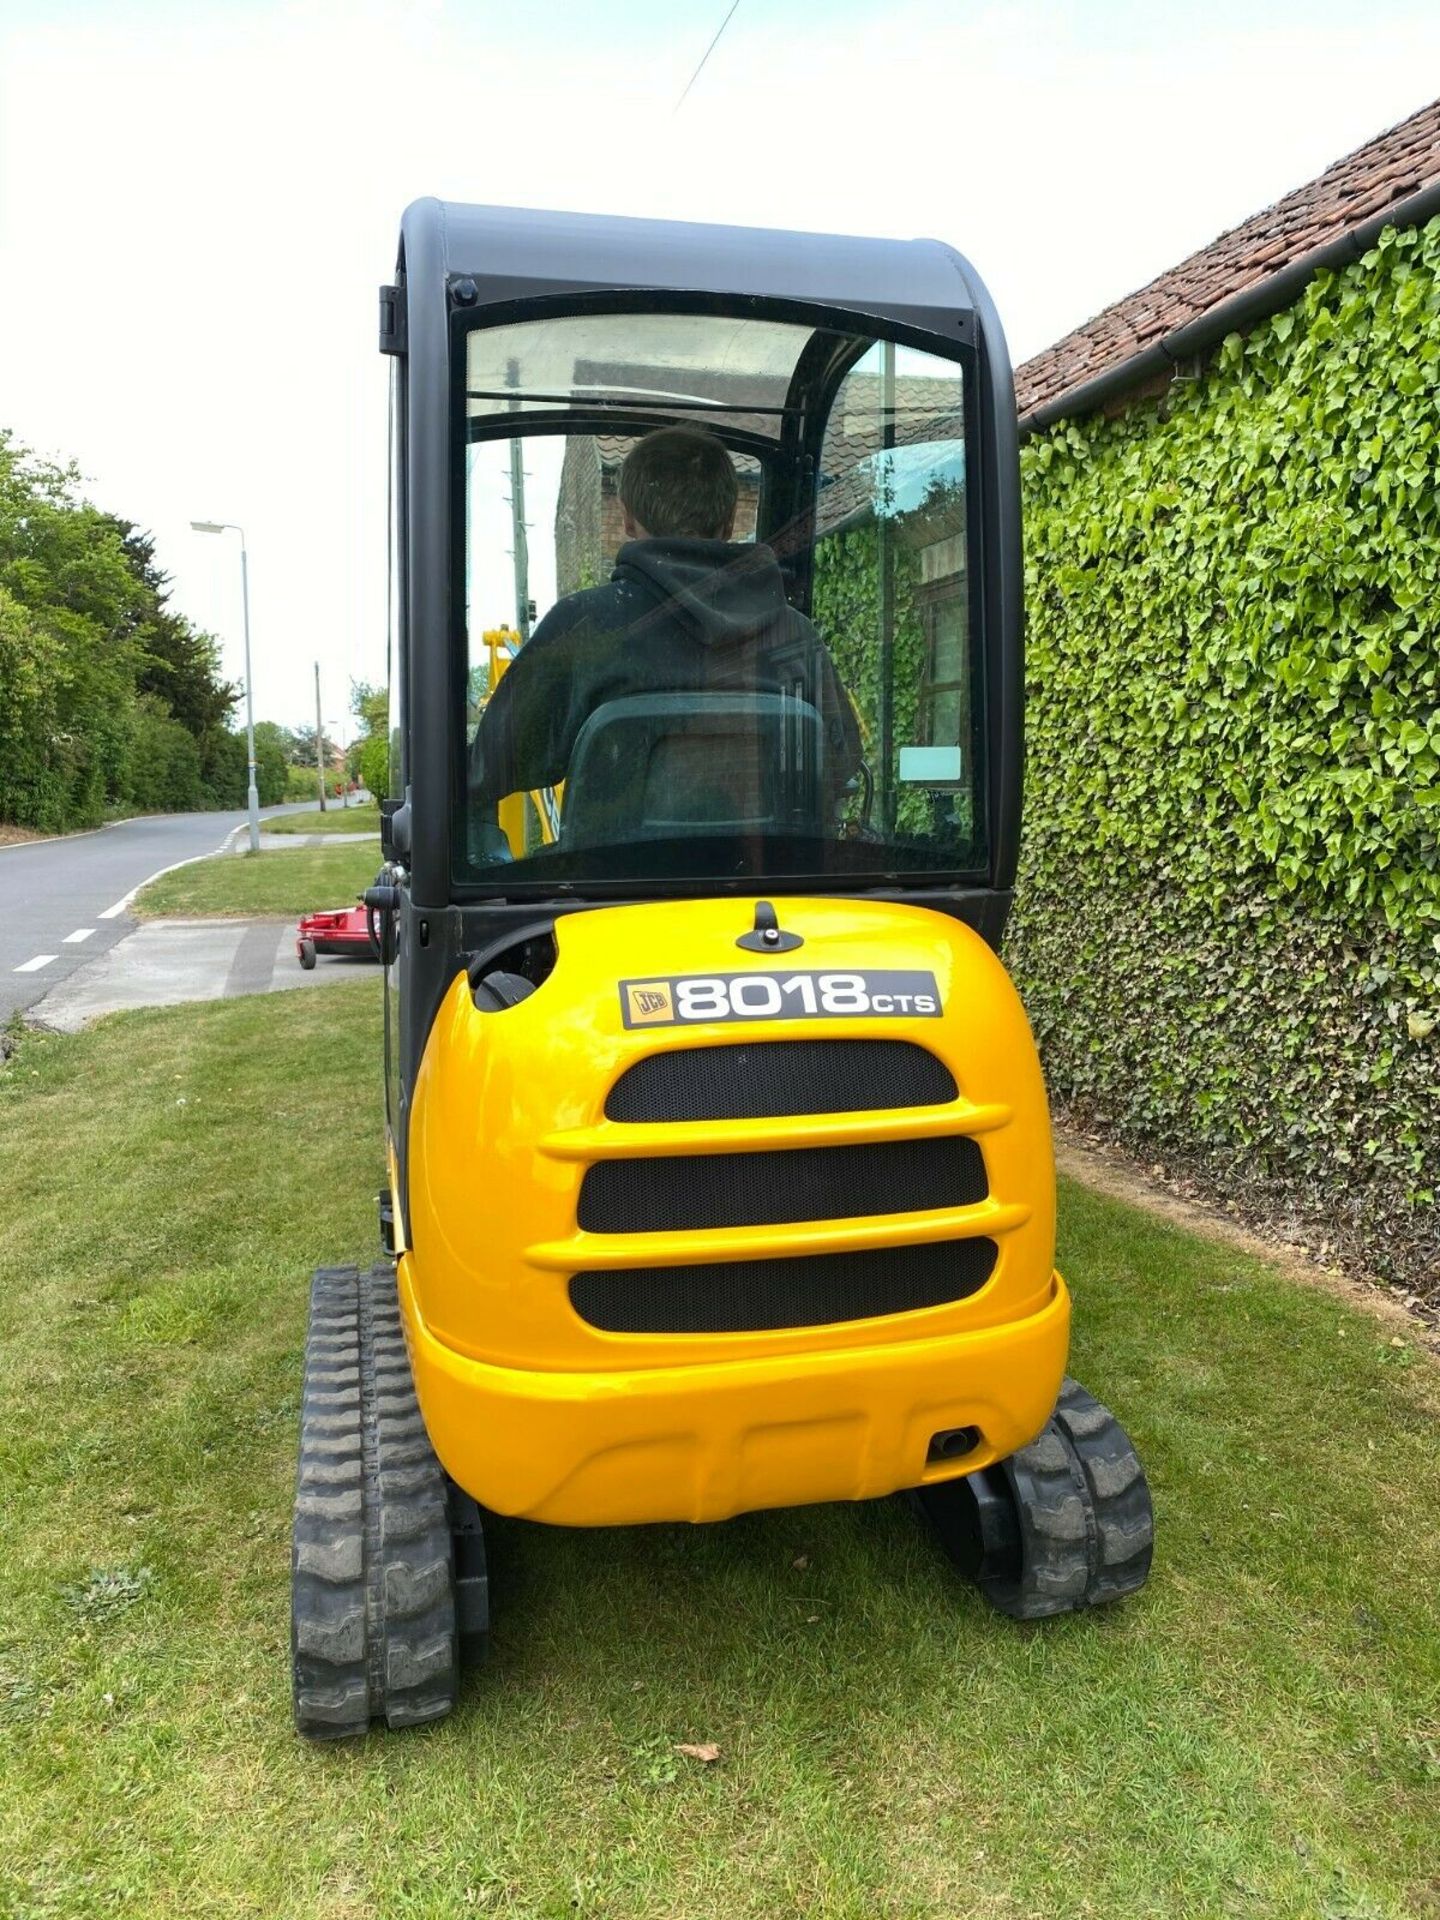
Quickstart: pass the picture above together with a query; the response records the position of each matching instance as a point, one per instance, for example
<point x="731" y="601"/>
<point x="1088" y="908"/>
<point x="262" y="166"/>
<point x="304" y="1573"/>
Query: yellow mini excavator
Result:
<point x="719" y="1165"/>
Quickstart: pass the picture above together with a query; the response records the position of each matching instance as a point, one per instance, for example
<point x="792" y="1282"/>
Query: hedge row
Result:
<point x="1228" y="920"/>
<point x="109" y="699"/>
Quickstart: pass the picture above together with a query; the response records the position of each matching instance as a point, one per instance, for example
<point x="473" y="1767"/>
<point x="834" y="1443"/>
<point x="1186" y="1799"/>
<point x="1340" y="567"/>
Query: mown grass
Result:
<point x="277" y="880"/>
<point x="1258" y="1734"/>
<point x="335" y="819"/>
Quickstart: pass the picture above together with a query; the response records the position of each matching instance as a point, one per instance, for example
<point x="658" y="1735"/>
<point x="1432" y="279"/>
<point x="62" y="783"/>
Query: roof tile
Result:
<point x="1389" y="168"/>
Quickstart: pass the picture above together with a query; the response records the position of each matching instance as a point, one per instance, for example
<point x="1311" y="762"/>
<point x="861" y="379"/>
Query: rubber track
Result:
<point x="1086" y="1524"/>
<point x="373" y="1633"/>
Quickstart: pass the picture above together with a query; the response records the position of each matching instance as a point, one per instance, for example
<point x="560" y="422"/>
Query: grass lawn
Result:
<point x="335" y="819"/>
<point x="1258" y="1734"/>
<point x="278" y="880"/>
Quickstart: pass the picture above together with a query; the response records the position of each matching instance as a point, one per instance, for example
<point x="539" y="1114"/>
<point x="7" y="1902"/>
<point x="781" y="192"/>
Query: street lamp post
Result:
<point x="252" y="795"/>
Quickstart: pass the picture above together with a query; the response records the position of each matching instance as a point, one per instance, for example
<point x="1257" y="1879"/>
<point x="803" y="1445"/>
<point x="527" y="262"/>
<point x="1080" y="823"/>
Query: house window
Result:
<point x="945" y="717"/>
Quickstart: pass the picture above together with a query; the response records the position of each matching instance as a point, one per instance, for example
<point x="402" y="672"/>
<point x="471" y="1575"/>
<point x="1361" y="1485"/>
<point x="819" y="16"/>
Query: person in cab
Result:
<point x="687" y="609"/>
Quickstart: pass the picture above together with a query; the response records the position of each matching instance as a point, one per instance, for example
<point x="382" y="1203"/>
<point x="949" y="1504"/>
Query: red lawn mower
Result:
<point x="346" y="932"/>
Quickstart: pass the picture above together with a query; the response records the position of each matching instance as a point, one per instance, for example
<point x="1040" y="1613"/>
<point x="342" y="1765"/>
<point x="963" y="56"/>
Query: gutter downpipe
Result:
<point x="1236" y="314"/>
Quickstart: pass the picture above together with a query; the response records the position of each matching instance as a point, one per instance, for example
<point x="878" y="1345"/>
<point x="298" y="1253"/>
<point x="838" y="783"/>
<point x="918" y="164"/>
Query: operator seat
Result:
<point x="662" y="765"/>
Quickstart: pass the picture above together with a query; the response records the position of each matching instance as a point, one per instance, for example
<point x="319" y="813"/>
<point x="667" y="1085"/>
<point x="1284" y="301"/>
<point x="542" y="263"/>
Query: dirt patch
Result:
<point x="1096" y="1163"/>
<point x="17" y="836"/>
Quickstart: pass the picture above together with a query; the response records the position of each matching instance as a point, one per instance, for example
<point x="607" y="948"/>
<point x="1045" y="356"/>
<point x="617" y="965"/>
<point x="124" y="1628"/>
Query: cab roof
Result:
<point x="517" y="254"/>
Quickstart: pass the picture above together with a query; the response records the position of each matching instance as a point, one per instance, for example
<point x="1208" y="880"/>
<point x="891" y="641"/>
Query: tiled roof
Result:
<point x="925" y="409"/>
<point x="613" y="447"/>
<point x="852" y="437"/>
<point x="1387" y="170"/>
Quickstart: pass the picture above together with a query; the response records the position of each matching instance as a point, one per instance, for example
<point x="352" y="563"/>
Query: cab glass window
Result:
<point x="718" y="620"/>
<point x="891" y="592"/>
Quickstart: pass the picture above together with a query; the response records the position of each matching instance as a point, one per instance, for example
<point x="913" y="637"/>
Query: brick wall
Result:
<point x="589" y="520"/>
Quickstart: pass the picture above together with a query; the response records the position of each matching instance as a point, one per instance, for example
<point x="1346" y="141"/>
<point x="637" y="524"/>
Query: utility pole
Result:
<point x="520" y="548"/>
<point x="319" y="739"/>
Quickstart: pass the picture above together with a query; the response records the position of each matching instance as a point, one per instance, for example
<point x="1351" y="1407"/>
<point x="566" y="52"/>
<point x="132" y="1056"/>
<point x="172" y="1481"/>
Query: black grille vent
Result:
<point x="754" y="1296"/>
<point x="688" y="1191"/>
<point x="774" y="1078"/>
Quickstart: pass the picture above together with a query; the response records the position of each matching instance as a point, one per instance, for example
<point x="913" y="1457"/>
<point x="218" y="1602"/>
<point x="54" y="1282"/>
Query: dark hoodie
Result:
<point x="678" y="616"/>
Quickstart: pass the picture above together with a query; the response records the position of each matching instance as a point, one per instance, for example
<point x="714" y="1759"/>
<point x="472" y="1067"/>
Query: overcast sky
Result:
<point x="198" y="201"/>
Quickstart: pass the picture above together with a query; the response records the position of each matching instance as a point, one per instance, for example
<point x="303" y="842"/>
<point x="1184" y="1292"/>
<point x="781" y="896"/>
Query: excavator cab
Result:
<point x="718" y="1164"/>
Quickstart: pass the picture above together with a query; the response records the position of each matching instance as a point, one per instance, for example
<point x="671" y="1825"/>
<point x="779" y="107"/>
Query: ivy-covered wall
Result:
<point x="846" y="610"/>
<point x="1228" y="920"/>
<point x="846" y="607"/>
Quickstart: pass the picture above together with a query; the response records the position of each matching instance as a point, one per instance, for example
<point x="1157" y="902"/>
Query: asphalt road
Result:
<point x="65" y="900"/>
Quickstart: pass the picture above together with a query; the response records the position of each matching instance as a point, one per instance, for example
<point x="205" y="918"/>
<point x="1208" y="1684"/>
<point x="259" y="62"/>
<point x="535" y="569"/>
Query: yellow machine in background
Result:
<point x="526" y="819"/>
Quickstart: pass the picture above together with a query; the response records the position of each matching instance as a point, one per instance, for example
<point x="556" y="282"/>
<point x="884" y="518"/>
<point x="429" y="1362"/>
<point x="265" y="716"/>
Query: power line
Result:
<point x="707" y="53"/>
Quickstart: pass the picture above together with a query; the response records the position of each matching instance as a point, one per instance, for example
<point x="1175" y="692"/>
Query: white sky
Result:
<point x="199" y="198"/>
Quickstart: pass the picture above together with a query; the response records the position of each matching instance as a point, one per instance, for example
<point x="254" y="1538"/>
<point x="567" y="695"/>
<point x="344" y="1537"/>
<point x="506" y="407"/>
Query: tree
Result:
<point x="34" y="780"/>
<point x="302" y="746"/>
<point x="96" y="670"/>
<point x="271" y="749"/>
<point x="167" y="776"/>
<point x="63" y="565"/>
<point x="373" y="765"/>
<point x="180" y="665"/>
<point x="370" y="706"/>
<point x="371" y="753"/>
<point x="224" y="767"/>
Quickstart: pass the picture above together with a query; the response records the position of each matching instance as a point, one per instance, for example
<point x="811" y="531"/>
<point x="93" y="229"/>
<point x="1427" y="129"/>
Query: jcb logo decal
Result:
<point x="890" y="994"/>
<point x="648" y="1003"/>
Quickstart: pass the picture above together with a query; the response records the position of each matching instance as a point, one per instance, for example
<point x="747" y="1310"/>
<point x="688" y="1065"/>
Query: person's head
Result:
<point x="678" y="483"/>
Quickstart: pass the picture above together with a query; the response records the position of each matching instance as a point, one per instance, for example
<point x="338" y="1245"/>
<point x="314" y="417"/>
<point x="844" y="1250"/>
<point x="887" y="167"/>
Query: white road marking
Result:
<point x="74" y="939"/>
<point x="34" y="966"/>
<point x="121" y="906"/>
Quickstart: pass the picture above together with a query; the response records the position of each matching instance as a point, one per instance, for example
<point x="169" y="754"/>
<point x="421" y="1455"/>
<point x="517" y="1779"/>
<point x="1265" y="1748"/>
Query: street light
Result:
<point x="252" y="796"/>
